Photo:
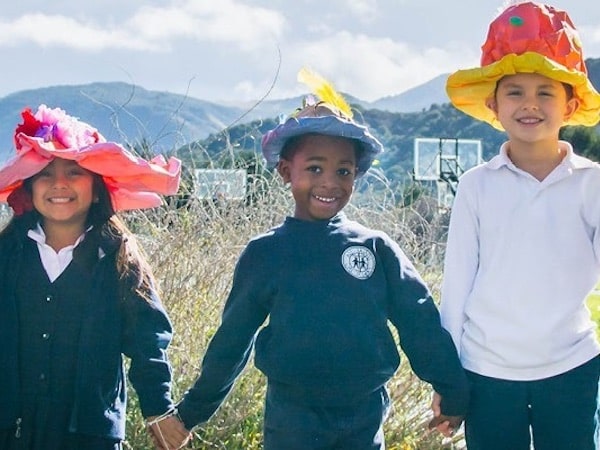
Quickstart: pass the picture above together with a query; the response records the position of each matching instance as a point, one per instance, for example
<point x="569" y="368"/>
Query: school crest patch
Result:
<point x="359" y="262"/>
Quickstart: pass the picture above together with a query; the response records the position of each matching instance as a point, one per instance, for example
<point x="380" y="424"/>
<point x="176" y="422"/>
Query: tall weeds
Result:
<point x="193" y="251"/>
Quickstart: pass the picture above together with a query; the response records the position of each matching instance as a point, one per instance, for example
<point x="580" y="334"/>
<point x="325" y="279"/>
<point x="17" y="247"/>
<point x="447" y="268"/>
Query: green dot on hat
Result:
<point x="516" y="21"/>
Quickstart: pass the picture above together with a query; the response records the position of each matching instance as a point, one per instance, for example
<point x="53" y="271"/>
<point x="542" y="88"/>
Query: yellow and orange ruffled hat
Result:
<point x="527" y="37"/>
<point x="132" y="182"/>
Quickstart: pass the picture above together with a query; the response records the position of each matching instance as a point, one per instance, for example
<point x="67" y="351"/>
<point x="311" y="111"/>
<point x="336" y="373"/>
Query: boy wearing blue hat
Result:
<point x="328" y="287"/>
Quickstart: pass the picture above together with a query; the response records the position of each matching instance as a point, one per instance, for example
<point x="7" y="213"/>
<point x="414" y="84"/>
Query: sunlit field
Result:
<point x="593" y="302"/>
<point x="193" y="250"/>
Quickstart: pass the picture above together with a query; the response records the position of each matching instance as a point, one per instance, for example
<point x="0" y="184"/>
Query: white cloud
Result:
<point x="59" y="31"/>
<point x="370" y="68"/>
<point x="246" y="90"/>
<point x="363" y="10"/>
<point x="229" y="48"/>
<point x="590" y="37"/>
<point x="223" y="21"/>
<point x="151" y="28"/>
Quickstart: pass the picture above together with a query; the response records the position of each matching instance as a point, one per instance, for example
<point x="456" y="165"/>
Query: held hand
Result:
<point x="447" y="425"/>
<point x="436" y="404"/>
<point x="168" y="432"/>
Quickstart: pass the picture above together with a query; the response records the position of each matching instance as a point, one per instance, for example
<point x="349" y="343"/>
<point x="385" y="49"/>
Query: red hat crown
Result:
<point x="534" y="27"/>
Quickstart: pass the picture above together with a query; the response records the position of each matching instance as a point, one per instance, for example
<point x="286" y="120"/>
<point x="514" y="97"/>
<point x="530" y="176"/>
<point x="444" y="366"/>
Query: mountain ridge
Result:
<point x="128" y="113"/>
<point x="165" y="121"/>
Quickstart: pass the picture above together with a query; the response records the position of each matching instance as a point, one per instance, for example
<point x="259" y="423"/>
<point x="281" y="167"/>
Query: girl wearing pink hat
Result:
<point x="524" y="241"/>
<point x="75" y="290"/>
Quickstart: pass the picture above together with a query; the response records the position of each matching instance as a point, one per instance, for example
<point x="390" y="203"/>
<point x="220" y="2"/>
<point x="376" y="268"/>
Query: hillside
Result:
<point x="397" y="132"/>
<point x="167" y="122"/>
<point x="416" y="99"/>
<point x="130" y="114"/>
<point x="122" y="112"/>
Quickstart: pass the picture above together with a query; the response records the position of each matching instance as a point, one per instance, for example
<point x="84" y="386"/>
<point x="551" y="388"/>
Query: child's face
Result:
<point x="532" y="107"/>
<point x="321" y="173"/>
<point x="63" y="193"/>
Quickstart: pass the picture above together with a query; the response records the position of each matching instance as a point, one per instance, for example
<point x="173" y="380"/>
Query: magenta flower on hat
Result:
<point x="56" y="126"/>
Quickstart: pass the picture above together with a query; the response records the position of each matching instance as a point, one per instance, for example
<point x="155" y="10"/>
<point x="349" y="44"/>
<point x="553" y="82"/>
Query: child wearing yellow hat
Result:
<point x="523" y="247"/>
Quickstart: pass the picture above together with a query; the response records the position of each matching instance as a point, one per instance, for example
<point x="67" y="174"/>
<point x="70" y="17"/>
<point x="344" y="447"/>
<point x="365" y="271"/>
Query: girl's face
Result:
<point x="321" y="173"/>
<point x="531" y="107"/>
<point x="63" y="193"/>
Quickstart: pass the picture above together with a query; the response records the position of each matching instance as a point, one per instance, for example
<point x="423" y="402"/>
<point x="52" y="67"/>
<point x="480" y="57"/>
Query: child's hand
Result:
<point x="447" y="425"/>
<point x="168" y="433"/>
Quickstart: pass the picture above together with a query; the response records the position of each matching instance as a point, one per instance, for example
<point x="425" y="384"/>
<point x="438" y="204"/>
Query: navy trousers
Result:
<point x="556" y="413"/>
<point x="357" y="426"/>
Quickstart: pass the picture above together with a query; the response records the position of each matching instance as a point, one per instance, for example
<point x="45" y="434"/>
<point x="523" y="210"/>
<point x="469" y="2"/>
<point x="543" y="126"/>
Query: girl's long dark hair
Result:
<point x="132" y="264"/>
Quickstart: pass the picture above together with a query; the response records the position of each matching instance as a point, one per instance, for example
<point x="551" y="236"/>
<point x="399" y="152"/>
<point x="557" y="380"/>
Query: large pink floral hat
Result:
<point x="527" y="37"/>
<point x="132" y="182"/>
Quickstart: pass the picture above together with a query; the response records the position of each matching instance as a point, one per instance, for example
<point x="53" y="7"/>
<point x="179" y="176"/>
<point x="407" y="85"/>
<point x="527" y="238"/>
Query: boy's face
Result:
<point x="532" y="107"/>
<point x="321" y="172"/>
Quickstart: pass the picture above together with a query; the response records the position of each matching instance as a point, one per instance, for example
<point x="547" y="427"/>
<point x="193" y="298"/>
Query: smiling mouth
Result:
<point x="529" y="120"/>
<point x="325" y="199"/>
<point x="60" y="200"/>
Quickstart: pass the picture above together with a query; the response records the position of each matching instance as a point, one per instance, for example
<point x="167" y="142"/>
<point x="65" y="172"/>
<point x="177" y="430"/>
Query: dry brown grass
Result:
<point x="194" y="253"/>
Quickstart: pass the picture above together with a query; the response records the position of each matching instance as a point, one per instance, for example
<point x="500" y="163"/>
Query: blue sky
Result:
<point x="241" y="50"/>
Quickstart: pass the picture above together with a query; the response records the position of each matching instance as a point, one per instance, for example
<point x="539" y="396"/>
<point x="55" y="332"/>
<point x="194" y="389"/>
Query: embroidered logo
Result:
<point x="359" y="262"/>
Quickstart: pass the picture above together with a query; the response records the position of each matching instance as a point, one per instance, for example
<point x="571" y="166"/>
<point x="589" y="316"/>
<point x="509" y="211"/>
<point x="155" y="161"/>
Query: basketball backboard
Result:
<point x="438" y="159"/>
<point x="229" y="184"/>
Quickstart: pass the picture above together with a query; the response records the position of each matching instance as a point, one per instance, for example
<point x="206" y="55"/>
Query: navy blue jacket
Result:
<point x="328" y="289"/>
<point x="115" y="324"/>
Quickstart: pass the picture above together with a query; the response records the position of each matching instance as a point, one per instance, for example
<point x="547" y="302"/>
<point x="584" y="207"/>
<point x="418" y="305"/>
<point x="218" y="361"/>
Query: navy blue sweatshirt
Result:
<point x="113" y="325"/>
<point x="328" y="289"/>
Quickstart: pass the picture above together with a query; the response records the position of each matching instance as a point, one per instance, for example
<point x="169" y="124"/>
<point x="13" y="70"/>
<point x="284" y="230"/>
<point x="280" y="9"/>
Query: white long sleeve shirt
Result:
<point x="521" y="258"/>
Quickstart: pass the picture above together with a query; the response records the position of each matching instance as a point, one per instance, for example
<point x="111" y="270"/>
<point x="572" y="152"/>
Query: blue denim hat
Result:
<point x="321" y="118"/>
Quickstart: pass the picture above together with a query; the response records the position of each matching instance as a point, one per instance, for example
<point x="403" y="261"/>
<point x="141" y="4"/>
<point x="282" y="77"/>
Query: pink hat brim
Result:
<point x="133" y="182"/>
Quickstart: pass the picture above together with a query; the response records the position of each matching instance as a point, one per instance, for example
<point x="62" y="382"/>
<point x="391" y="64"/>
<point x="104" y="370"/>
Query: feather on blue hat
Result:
<point x="329" y="115"/>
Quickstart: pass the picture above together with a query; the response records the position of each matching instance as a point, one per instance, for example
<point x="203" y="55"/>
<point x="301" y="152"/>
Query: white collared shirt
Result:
<point x="54" y="262"/>
<point x="521" y="257"/>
